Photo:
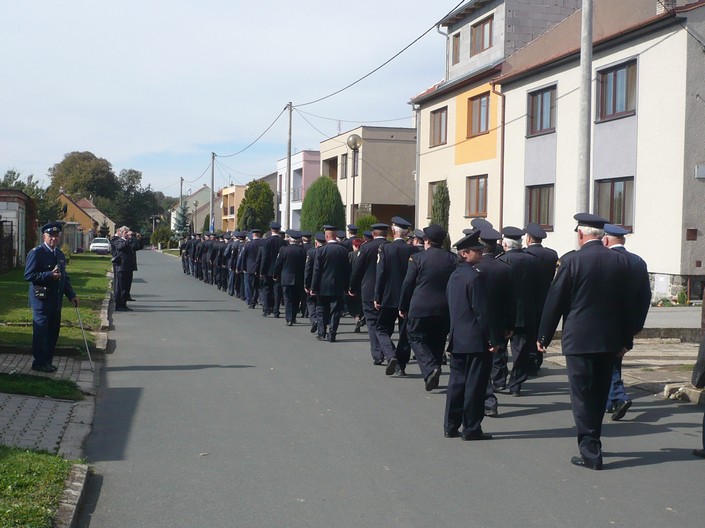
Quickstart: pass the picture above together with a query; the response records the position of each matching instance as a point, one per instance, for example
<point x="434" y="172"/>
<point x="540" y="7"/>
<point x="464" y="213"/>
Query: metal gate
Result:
<point x="6" y="245"/>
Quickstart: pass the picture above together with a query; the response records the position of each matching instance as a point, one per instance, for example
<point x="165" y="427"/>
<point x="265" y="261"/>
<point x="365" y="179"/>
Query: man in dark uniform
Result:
<point x="183" y="244"/>
<point x="392" y="263"/>
<point x="640" y="289"/>
<point x="362" y="284"/>
<point x="502" y="307"/>
<point x="205" y="256"/>
<point x="45" y="270"/>
<point x="194" y="256"/>
<point x="423" y="301"/>
<point x="352" y="234"/>
<point x="590" y="292"/>
<point x="474" y="335"/>
<point x="123" y="267"/>
<point x="320" y="240"/>
<point x="288" y="272"/>
<point x="331" y="272"/>
<point x="248" y="260"/>
<point x="221" y="262"/>
<point x="306" y="244"/>
<point x="239" y="276"/>
<point x="271" y="292"/>
<point x="525" y="270"/>
<point x="228" y="268"/>
<point x="547" y="259"/>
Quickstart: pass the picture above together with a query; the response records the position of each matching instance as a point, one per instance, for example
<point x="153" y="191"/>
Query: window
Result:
<point x="479" y="115"/>
<point x="439" y="124"/>
<point x="455" y="54"/>
<point x="539" y="205"/>
<point x="431" y="191"/>
<point x="481" y="35"/>
<point x="343" y="166"/>
<point x="542" y="111"/>
<point x="615" y="201"/>
<point x="476" y="196"/>
<point x="616" y="90"/>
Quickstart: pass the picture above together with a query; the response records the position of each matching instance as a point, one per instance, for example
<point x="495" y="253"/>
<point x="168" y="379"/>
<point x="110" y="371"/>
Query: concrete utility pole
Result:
<point x="584" y="123"/>
<point x="181" y="193"/>
<point x="285" y="190"/>
<point x="212" y="218"/>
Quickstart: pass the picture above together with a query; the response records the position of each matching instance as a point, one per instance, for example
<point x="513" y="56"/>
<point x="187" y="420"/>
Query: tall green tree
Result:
<point x="440" y="211"/>
<point x="181" y="224"/>
<point x="322" y="205"/>
<point x="83" y="174"/>
<point x="257" y="207"/>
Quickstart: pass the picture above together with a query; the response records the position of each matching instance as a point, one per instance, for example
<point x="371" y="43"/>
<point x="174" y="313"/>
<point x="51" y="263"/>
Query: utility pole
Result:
<point x="287" y="206"/>
<point x="212" y="218"/>
<point x="584" y="124"/>
<point x="181" y="193"/>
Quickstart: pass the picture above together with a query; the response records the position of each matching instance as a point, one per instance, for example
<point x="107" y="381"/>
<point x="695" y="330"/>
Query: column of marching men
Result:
<point x="500" y="295"/>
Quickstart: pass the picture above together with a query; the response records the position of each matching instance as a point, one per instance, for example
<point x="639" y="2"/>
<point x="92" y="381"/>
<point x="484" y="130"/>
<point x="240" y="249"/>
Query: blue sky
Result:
<point x="158" y="85"/>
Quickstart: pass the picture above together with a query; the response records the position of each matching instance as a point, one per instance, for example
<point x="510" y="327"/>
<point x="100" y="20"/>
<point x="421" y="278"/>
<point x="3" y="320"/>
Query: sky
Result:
<point x="156" y="85"/>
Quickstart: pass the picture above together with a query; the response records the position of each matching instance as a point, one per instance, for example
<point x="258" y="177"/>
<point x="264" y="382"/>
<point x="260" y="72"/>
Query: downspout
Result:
<point x="445" y="35"/>
<point x="417" y="117"/>
<point x="501" y="157"/>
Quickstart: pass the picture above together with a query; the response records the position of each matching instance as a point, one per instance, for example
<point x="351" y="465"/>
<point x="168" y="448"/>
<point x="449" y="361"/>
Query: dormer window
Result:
<point x="481" y="36"/>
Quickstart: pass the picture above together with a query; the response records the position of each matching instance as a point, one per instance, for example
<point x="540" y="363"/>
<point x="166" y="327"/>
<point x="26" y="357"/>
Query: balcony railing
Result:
<point x="297" y="193"/>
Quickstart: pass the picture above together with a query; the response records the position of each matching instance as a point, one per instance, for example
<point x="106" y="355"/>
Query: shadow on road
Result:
<point x="173" y="367"/>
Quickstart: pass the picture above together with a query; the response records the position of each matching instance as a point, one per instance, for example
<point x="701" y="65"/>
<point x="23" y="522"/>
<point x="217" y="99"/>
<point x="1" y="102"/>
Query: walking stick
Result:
<point x="80" y="323"/>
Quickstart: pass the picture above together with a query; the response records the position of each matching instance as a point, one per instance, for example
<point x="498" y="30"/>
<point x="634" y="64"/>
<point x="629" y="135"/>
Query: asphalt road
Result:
<point x="210" y="415"/>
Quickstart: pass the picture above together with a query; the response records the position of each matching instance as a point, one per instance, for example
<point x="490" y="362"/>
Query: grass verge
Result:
<point x="68" y="337"/>
<point x="31" y="485"/>
<point x="39" y="386"/>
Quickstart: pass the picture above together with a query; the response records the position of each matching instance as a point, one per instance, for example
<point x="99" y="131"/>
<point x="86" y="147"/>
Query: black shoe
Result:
<point x="451" y="434"/>
<point x="289" y="323"/>
<point x="399" y="372"/>
<point x="580" y="461"/>
<point x="515" y="393"/>
<point x="330" y="338"/>
<point x="432" y="380"/>
<point x="264" y="314"/>
<point x="44" y="368"/>
<point x="444" y="360"/>
<point x="293" y="321"/>
<point x="477" y="435"/>
<point x="391" y="366"/>
<point x="700" y="453"/>
<point x="251" y="306"/>
<point x="320" y="337"/>
<point x="357" y="327"/>
<point x="314" y="328"/>
<point x="502" y="390"/>
<point x="130" y="299"/>
<point x="620" y="410"/>
<point x="492" y="413"/>
<point x="276" y="316"/>
<point x="378" y="362"/>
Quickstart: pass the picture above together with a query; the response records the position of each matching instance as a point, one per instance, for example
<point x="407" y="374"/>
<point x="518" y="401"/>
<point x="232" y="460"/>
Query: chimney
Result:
<point x="665" y="5"/>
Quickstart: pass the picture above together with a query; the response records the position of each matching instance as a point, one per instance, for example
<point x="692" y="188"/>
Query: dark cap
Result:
<point x="292" y="233"/>
<point x="227" y="236"/>
<point x="615" y="230"/>
<point x="367" y="234"/>
<point x="275" y="225"/>
<point x="340" y="234"/>
<point x="400" y="222"/>
<point x="480" y="223"/>
<point x="513" y="232"/>
<point x="320" y="237"/>
<point x="329" y="227"/>
<point x="255" y="230"/>
<point x="590" y="220"/>
<point x="418" y="233"/>
<point x="435" y="233"/>
<point x="536" y="231"/>
<point x="352" y="227"/>
<point x="490" y="234"/>
<point x="53" y="228"/>
<point x="380" y="227"/>
<point x="470" y="241"/>
<point x="306" y="234"/>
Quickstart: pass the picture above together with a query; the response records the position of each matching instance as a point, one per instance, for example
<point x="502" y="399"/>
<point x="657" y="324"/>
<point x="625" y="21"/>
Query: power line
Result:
<point x="384" y="63"/>
<point x="351" y="121"/>
<point x="672" y="10"/>
<point x="258" y="138"/>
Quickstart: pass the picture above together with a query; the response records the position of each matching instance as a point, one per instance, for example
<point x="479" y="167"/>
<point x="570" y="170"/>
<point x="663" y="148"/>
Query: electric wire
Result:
<point x="258" y="138"/>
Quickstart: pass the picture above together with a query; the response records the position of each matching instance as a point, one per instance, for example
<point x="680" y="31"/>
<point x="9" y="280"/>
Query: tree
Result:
<point x="441" y="209"/>
<point x="207" y="223"/>
<point x="104" y="229"/>
<point x="162" y="235"/>
<point x="181" y="226"/>
<point x="364" y="223"/>
<point x="85" y="175"/>
<point x="322" y="205"/>
<point x="257" y="207"/>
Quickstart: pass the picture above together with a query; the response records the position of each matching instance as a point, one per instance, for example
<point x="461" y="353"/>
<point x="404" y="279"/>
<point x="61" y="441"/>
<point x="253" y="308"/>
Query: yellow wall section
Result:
<point x="75" y="214"/>
<point x="477" y="148"/>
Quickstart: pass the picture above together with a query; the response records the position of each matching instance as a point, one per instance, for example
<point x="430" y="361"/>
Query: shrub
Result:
<point x="365" y="222"/>
<point x="322" y="205"/>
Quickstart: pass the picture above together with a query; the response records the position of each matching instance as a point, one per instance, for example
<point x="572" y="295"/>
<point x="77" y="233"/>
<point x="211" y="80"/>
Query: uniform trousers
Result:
<point x="184" y="265"/>
<point x="251" y="290"/>
<point x="499" y="372"/>
<point x="329" y="308"/>
<point x="192" y="266"/>
<point x="385" y="328"/>
<point x="46" y="324"/>
<point x="122" y="282"/>
<point x="231" y="282"/>
<point x="311" y="308"/>
<point x="292" y="301"/>
<point x="371" y="316"/>
<point x="199" y="270"/>
<point x="589" y="378"/>
<point x="427" y="336"/>
<point x="617" y="393"/>
<point x="522" y="344"/>
<point x="465" y="397"/>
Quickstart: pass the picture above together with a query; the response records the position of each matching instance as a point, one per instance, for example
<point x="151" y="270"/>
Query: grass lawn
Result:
<point x="172" y="252"/>
<point x="87" y="272"/>
<point x="39" y="386"/>
<point x="31" y="485"/>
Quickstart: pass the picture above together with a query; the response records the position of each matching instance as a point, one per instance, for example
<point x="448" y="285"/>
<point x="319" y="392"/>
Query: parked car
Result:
<point x="99" y="245"/>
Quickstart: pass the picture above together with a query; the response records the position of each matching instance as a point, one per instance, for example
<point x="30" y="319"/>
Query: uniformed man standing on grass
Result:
<point x="591" y="294"/>
<point x="45" y="270"/>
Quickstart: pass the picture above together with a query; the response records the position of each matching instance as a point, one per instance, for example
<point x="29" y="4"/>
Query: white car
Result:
<point x="100" y="246"/>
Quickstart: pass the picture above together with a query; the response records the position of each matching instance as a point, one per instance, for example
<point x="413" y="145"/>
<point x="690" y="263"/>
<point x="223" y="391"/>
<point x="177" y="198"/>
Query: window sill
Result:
<point x="478" y="134"/>
<point x="541" y="133"/>
<point x="614" y="117"/>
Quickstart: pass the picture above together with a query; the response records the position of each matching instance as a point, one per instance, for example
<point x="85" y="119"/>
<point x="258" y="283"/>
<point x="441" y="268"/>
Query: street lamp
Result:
<point x="354" y="143"/>
<point x="195" y="216"/>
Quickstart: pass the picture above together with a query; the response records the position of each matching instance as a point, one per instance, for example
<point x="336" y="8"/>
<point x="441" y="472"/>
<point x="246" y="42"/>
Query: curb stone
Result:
<point x="66" y="514"/>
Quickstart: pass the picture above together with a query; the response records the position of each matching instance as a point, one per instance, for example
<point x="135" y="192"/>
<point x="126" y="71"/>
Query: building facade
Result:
<point x="231" y="198"/>
<point x="305" y="169"/>
<point x="16" y="222"/>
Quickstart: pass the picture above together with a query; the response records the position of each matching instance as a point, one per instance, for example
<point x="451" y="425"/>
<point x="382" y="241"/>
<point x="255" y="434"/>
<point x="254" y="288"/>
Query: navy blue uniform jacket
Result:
<point x="40" y="262"/>
<point x="423" y="293"/>
<point x="392" y="263"/>
<point x="364" y="270"/>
